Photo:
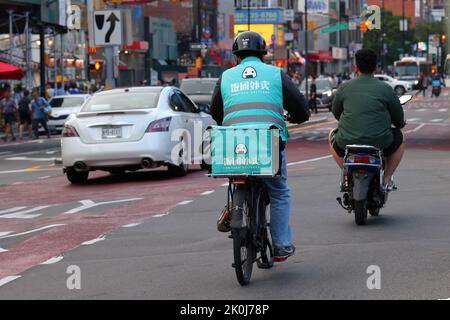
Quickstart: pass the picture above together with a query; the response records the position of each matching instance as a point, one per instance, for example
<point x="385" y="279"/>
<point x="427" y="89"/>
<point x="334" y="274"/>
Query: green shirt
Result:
<point x="366" y="108"/>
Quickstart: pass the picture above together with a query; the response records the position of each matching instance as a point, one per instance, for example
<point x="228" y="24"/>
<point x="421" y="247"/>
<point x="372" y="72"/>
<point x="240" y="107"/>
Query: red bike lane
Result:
<point x="153" y="193"/>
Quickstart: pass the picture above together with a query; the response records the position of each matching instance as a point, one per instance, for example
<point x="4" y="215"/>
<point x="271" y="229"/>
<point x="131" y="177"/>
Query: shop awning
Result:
<point x="322" y="55"/>
<point x="10" y="72"/>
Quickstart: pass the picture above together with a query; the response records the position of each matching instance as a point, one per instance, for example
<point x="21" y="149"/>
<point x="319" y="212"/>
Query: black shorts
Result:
<point x="9" y="118"/>
<point x="398" y="140"/>
<point x="25" y="119"/>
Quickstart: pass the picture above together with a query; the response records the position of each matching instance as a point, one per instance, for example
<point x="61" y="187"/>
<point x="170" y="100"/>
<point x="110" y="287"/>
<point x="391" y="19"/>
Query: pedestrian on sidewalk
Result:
<point x="8" y="109"/>
<point x="25" y="114"/>
<point x="313" y="95"/>
<point x="40" y="109"/>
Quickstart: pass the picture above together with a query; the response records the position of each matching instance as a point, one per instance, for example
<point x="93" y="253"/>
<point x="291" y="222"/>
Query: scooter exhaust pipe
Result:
<point x="147" y="163"/>
<point x="80" y="166"/>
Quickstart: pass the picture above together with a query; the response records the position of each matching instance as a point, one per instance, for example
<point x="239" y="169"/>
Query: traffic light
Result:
<point x="96" y="65"/>
<point x="443" y="38"/>
<point x="364" y="25"/>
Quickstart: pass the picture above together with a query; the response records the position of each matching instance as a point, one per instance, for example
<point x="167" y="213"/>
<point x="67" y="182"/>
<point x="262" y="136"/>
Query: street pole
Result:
<point x="248" y="14"/>
<point x="306" y="50"/>
<point x="10" y="35"/>
<point x="42" y="58"/>
<point x="403" y="27"/>
<point x="55" y="63"/>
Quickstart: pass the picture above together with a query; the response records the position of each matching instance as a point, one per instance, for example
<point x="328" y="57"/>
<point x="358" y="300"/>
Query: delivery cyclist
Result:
<point x="254" y="93"/>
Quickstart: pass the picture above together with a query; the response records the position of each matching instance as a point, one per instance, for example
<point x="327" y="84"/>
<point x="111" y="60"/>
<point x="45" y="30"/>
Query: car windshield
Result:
<point x="122" y="101"/>
<point x="322" y="85"/>
<point x="66" y="102"/>
<point x="198" y="87"/>
<point x="402" y="70"/>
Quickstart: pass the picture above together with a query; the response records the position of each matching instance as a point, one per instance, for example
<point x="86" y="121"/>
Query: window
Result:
<point x="176" y="103"/>
<point x="121" y="101"/>
<point x="188" y="105"/>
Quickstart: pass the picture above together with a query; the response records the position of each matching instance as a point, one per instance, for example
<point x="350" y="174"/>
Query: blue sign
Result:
<point x="259" y="16"/>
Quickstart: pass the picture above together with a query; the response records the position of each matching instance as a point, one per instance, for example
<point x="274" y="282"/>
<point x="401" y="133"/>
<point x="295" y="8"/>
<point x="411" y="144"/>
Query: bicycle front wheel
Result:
<point x="243" y="246"/>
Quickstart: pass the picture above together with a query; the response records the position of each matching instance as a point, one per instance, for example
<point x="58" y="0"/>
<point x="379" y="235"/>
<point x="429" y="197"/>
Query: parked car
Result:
<point x="63" y="107"/>
<point x="131" y="129"/>
<point x="325" y="92"/>
<point x="400" y="87"/>
<point x="200" y="91"/>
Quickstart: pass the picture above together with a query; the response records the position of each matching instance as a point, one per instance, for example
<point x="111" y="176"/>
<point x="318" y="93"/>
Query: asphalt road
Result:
<point x="147" y="236"/>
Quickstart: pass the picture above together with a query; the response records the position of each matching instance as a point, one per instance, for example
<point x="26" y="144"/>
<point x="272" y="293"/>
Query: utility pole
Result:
<point x="248" y="14"/>
<point x="306" y="51"/>
<point x="403" y="27"/>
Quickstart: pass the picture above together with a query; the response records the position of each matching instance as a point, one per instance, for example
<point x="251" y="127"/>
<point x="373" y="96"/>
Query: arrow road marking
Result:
<point x="24" y="214"/>
<point x="88" y="204"/>
<point x="31" y="231"/>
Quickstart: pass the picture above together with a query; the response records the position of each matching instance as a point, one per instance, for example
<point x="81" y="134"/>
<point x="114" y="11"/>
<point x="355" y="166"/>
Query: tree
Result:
<point x="389" y="35"/>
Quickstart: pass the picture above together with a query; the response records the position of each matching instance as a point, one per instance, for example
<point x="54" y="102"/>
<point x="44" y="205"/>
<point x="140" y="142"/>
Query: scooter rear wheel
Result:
<point x="360" y="208"/>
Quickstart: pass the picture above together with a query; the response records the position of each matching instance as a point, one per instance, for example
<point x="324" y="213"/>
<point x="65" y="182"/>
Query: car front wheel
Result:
<point x="399" y="90"/>
<point x="77" y="177"/>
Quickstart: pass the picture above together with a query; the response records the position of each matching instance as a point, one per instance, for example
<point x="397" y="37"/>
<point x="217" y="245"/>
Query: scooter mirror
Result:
<point x="405" y="98"/>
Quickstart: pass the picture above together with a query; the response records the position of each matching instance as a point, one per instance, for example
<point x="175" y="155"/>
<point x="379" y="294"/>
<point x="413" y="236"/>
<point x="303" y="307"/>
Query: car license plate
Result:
<point x="109" y="133"/>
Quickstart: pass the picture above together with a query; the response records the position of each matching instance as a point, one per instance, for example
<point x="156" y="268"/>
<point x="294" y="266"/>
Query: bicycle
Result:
<point x="248" y="204"/>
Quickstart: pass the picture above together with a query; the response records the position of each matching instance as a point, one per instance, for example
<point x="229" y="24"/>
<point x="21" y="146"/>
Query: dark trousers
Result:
<point x="43" y="123"/>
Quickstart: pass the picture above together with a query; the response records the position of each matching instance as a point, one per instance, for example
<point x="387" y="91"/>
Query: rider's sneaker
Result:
<point x="223" y="224"/>
<point x="280" y="254"/>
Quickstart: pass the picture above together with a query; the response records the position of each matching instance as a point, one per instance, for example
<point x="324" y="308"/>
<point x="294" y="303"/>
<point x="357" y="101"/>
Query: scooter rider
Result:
<point x="254" y="92"/>
<point x="366" y="109"/>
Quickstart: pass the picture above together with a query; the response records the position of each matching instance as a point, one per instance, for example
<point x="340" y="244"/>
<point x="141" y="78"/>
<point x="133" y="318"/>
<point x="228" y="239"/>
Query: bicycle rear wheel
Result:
<point x="243" y="246"/>
<point x="266" y="259"/>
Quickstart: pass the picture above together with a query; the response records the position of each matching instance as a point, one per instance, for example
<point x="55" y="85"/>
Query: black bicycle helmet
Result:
<point x="249" y="42"/>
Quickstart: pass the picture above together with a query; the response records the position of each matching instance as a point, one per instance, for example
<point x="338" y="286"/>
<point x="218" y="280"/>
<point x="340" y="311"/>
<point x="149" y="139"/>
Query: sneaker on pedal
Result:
<point x="223" y="224"/>
<point x="280" y="254"/>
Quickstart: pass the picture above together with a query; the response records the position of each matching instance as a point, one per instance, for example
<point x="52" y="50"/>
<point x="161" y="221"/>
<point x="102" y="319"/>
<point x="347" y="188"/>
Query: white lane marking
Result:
<point x="160" y="215"/>
<point x="207" y="192"/>
<point x="5" y="152"/>
<point x="225" y="184"/>
<point x="3" y="250"/>
<point x="5" y="233"/>
<point x="101" y="238"/>
<point x="412" y="119"/>
<point x="12" y="210"/>
<point x="131" y="225"/>
<point x="24" y="214"/>
<point x="51" y="152"/>
<point x="29" y="159"/>
<point x="17" y="183"/>
<point x="443" y="110"/>
<point x="28" y="170"/>
<point x="31" y="231"/>
<point x="309" y="160"/>
<point x="88" y="204"/>
<point x="420" y="126"/>
<point x="53" y="260"/>
<point x="184" y="202"/>
<point x="6" y="280"/>
<point x="437" y="120"/>
<point x="421" y="110"/>
<point x="45" y="177"/>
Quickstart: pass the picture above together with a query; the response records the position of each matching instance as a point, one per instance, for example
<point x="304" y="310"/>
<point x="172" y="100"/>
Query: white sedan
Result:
<point x="131" y="129"/>
<point x="63" y="107"/>
<point x="399" y="86"/>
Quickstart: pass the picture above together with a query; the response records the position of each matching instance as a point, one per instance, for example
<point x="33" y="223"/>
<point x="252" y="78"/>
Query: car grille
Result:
<point x="58" y="118"/>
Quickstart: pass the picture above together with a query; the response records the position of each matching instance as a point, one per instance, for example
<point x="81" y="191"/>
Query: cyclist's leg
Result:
<point x="280" y="206"/>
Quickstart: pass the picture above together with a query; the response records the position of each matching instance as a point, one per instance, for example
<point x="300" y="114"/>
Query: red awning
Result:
<point x="10" y="72"/>
<point x="323" y="55"/>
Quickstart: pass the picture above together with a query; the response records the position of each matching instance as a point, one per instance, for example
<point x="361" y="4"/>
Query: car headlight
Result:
<point x="416" y="81"/>
<point x="327" y="93"/>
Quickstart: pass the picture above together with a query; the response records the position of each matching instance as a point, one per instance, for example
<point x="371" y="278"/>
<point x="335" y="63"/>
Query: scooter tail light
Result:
<point x="238" y="182"/>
